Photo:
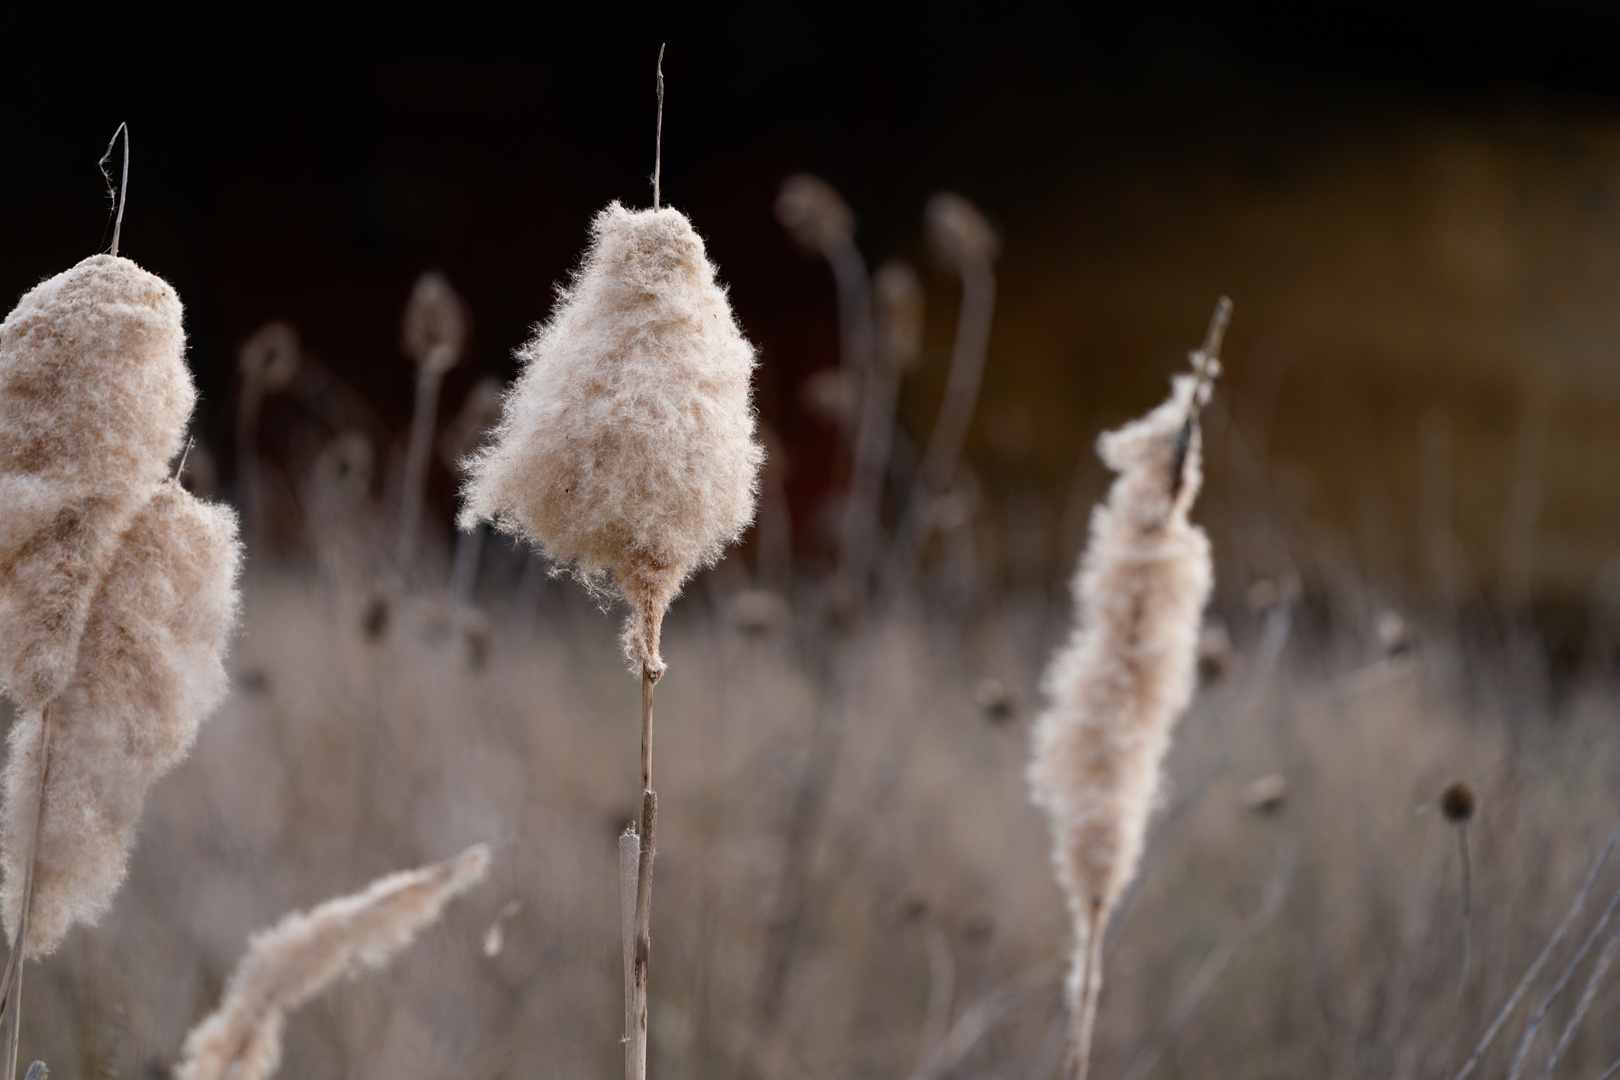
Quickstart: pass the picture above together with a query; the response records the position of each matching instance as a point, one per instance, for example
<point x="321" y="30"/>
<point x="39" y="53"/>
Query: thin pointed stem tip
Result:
<point x="123" y="183"/>
<point x="658" y="144"/>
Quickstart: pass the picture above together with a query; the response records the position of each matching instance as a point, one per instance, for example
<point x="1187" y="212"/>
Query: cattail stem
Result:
<point x="11" y="986"/>
<point x="629" y="870"/>
<point x="636" y="1060"/>
<point x="428" y="377"/>
<point x="1085" y="1006"/>
<point x="1467" y="944"/>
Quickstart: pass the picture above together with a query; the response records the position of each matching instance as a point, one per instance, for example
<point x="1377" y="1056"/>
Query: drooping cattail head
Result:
<point x="959" y="232"/>
<point x="149" y="668"/>
<point x="816" y="215"/>
<point x="435" y="327"/>
<point x="94" y="399"/>
<point x="303" y="954"/>
<point x="627" y="444"/>
<point x="898" y="304"/>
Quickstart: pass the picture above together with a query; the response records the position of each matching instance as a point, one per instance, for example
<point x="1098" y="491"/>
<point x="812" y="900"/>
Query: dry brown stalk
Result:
<point x="1542" y="958"/>
<point x="435" y="333"/>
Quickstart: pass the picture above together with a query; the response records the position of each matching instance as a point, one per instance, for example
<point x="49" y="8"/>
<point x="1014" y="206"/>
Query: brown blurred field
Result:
<point x="858" y="789"/>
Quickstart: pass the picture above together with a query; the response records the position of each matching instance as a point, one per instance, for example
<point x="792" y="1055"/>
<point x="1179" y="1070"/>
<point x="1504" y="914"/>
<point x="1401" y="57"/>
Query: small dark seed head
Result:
<point x="1458" y="802"/>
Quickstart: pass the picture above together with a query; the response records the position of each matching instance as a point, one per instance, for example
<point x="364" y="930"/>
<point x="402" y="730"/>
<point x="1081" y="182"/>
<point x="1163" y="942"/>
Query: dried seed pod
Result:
<point x="435" y="325"/>
<point x="627" y="444"/>
<point x="1458" y="802"/>
<point x="959" y="232"/>
<point x="816" y="215"/>
<point x="94" y="399"/>
<point x="149" y="668"/>
<point x="269" y="359"/>
<point x="898" y="299"/>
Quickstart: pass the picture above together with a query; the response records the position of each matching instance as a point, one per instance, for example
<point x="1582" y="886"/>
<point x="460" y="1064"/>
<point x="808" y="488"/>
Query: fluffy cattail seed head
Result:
<point x="627" y="444"/>
<point x="1458" y="802"/>
<point x="94" y="399"/>
<point x="149" y="668"/>
<point x="959" y="232"/>
<point x="305" y="953"/>
<point x="816" y="215"/>
<point x="435" y="328"/>
<point x="269" y="359"/>
<point x="898" y="303"/>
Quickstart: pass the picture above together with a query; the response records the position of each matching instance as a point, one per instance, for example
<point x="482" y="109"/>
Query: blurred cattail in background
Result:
<point x="434" y="336"/>
<point x="479" y="413"/>
<point x="966" y="242"/>
<point x="267" y="362"/>
<point x="303" y="954"/>
<point x="1128" y="671"/>
<point x="898" y="324"/>
<point x="819" y="218"/>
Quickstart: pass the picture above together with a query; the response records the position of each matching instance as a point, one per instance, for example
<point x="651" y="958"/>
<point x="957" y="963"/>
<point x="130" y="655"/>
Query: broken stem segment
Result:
<point x="636" y="1055"/>
<point x="658" y="144"/>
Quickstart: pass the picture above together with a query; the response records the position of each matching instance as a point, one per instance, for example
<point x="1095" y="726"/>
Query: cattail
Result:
<point x="898" y="326"/>
<point x="267" y="362"/>
<point x="303" y="954"/>
<point x="434" y="335"/>
<point x="627" y="444"/>
<point x="965" y="240"/>
<point x="149" y="668"/>
<point x="94" y="397"/>
<point x="1127" y="672"/>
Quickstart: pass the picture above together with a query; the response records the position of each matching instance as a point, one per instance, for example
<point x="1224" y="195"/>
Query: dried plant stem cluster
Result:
<point x="1127" y="673"/>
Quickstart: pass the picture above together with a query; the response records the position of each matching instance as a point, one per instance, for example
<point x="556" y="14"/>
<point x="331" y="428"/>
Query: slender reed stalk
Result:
<point x="648" y="843"/>
<point x="1593" y="980"/>
<point x="11" y="987"/>
<point x="898" y="320"/>
<point x="967" y="242"/>
<point x="1533" y="1027"/>
<point x="1457" y="805"/>
<point x="1543" y="958"/>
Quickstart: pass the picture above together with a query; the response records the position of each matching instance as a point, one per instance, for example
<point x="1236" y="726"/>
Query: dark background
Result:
<point x="307" y="163"/>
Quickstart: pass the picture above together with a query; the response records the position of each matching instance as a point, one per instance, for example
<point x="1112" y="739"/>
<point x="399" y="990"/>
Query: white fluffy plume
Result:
<point x="303" y="954"/>
<point x="149" y="668"/>
<point x="627" y="444"/>
<point x="1127" y="672"/>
